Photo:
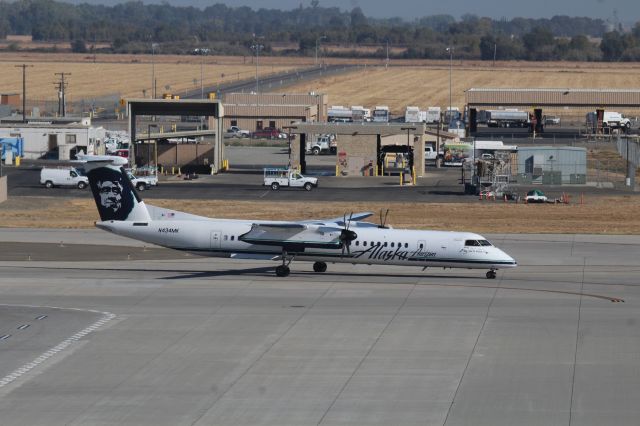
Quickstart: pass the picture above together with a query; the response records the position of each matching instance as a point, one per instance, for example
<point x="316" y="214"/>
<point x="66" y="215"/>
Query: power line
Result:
<point x="61" y="86"/>
<point x="24" y="90"/>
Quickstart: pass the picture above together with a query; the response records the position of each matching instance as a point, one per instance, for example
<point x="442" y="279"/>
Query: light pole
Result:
<point x="386" y="65"/>
<point x="255" y="46"/>
<point x="153" y="70"/>
<point x="450" y="50"/>
<point x="317" y="42"/>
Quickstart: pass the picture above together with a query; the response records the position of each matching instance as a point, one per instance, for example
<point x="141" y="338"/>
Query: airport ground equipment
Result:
<point x="282" y="177"/>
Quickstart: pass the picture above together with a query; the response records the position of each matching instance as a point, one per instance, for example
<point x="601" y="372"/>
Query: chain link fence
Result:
<point x="107" y="106"/>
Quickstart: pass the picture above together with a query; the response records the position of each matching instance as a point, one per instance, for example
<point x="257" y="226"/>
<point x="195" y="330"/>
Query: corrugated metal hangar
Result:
<point x="538" y="100"/>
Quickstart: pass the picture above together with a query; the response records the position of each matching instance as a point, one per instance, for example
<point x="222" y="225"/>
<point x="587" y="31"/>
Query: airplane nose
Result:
<point x="510" y="261"/>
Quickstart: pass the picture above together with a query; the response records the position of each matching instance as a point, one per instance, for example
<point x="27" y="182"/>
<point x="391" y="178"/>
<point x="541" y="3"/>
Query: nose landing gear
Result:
<point x="491" y="274"/>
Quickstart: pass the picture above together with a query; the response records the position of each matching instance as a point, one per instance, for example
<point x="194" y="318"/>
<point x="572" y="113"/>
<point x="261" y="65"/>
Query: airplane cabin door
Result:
<point x="215" y="239"/>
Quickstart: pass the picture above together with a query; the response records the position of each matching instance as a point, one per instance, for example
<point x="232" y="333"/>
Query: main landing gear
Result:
<point x="491" y="274"/>
<point x="283" y="270"/>
<point x="319" y="267"/>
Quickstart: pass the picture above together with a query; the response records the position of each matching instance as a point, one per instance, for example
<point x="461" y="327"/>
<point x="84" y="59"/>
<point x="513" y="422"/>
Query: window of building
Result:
<point x="272" y="124"/>
<point x="70" y="139"/>
<point x="234" y="122"/>
<point x="259" y="125"/>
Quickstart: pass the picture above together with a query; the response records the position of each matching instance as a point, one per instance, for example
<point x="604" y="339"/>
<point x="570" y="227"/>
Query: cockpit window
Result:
<point x="476" y="243"/>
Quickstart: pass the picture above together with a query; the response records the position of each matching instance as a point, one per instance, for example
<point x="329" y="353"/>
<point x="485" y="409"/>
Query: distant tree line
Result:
<point x="132" y="27"/>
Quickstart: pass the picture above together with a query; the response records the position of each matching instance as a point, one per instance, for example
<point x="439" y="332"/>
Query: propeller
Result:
<point x="346" y="236"/>
<point x="383" y="222"/>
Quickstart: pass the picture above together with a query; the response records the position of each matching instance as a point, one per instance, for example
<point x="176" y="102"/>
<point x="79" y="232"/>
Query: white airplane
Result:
<point x="338" y="240"/>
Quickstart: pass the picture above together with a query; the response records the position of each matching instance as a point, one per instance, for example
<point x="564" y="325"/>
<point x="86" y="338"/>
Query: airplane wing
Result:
<point x="294" y="236"/>
<point x="340" y="220"/>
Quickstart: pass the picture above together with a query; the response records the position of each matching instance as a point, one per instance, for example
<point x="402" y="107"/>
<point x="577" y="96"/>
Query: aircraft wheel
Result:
<point x="491" y="275"/>
<point x="282" y="271"/>
<point x="319" y="267"/>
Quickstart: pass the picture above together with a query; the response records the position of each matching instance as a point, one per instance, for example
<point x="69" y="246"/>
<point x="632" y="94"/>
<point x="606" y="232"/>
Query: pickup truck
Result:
<point x="142" y="182"/>
<point x="322" y="145"/>
<point x="275" y="178"/>
<point x="236" y="132"/>
<point x="267" y="132"/>
<point x="430" y="154"/>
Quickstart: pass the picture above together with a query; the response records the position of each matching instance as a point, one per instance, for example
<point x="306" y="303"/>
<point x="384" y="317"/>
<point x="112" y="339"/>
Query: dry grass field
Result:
<point x="428" y="85"/>
<point x="598" y="215"/>
<point x="123" y="75"/>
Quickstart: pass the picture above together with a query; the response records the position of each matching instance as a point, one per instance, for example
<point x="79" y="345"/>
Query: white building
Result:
<point x="56" y="141"/>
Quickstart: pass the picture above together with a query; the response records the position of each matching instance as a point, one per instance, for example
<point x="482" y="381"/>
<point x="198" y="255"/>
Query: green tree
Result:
<point x="612" y="46"/>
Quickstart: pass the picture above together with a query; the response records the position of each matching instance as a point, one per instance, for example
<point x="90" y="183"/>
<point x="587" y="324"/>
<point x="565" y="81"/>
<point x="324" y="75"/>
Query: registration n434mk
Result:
<point x="346" y="239"/>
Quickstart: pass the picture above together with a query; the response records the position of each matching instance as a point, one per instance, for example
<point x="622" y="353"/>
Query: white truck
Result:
<point x="236" y="132"/>
<point x="339" y="114"/>
<point x="430" y="154"/>
<point x="615" y="120"/>
<point x="277" y="177"/>
<point x="322" y="145"/>
<point x="412" y="115"/>
<point x="432" y="115"/>
<point x="66" y="176"/>
<point x="360" y="113"/>
<point x="142" y="182"/>
<point x="381" y="114"/>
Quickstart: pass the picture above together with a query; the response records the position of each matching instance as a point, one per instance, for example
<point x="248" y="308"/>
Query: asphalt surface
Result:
<point x="192" y="341"/>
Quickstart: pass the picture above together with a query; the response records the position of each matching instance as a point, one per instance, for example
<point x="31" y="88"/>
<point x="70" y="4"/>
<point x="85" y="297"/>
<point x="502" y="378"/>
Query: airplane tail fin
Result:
<point x="115" y="196"/>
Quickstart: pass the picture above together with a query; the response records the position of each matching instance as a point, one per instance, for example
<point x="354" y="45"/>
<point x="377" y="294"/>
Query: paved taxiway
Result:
<point x="200" y="342"/>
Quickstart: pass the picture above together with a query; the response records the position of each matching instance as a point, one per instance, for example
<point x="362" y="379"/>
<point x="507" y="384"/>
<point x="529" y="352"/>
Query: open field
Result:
<point x="406" y="82"/>
<point x="598" y="215"/>
<point x="122" y="75"/>
<point x="398" y="87"/>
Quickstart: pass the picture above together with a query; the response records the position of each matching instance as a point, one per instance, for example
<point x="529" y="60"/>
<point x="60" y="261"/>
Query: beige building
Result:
<point x="254" y="112"/>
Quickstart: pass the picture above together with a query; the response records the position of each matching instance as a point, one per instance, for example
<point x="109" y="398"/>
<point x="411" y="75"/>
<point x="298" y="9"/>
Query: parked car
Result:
<point x="276" y="178"/>
<point x="236" y="132"/>
<point x="552" y="120"/>
<point x="267" y="132"/>
<point x="535" y="196"/>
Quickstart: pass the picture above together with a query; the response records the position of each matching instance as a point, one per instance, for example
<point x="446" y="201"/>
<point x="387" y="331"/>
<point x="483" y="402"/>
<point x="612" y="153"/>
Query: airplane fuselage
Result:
<point x="373" y="245"/>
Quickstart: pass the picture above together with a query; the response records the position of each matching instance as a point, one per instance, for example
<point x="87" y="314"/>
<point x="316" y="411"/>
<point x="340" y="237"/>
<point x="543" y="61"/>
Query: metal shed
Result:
<point x="552" y="165"/>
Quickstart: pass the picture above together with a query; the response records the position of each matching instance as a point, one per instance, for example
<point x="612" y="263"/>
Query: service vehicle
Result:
<point x="381" y="114"/>
<point x="64" y="176"/>
<point x="551" y="120"/>
<point x="277" y="177"/>
<point x="615" y="120"/>
<point x="451" y="114"/>
<point x="430" y="154"/>
<point x="360" y="113"/>
<point x="142" y="182"/>
<point x="507" y="118"/>
<point x="535" y="196"/>
<point x="339" y="114"/>
<point x="413" y="115"/>
<point x="432" y="115"/>
<point x="236" y="132"/>
<point x="322" y="145"/>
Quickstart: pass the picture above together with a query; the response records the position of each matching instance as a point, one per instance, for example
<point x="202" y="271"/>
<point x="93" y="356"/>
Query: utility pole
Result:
<point x="450" y="50"/>
<point x="317" y="42"/>
<point x="24" y="90"/>
<point x="386" y="64"/>
<point x="153" y="69"/>
<point x="62" y="101"/>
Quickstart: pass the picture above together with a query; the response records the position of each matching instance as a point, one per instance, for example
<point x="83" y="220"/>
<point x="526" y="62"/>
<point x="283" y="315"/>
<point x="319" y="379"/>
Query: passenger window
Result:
<point x="364" y="243"/>
<point x="233" y="237"/>
<point x="73" y="174"/>
<point x="421" y="245"/>
<point x="385" y="244"/>
<point x="406" y="245"/>
<point x="226" y="238"/>
<point x="392" y="244"/>
<point x="357" y="243"/>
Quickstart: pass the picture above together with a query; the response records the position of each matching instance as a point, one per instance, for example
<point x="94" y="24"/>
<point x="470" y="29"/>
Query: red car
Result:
<point x="267" y="132"/>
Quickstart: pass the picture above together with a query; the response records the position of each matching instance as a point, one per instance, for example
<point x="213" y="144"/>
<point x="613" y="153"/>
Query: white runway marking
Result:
<point x="106" y="317"/>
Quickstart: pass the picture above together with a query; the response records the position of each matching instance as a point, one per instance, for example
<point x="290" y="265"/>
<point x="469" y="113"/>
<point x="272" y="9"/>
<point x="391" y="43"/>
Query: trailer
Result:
<point x="339" y="114"/>
<point x="507" y="118"/>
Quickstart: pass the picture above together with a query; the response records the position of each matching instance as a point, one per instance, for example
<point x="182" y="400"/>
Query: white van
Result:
<point x="69" y="176"/>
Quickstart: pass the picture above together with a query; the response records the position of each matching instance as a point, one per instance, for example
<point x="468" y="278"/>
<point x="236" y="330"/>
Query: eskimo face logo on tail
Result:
<point x="112" y="192"/>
